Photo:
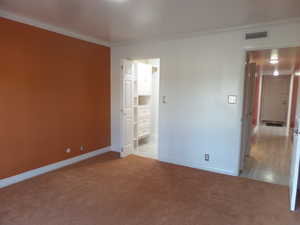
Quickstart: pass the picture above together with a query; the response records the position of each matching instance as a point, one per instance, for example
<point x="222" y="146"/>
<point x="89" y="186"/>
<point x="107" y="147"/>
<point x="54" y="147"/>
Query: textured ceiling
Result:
<point x="129" y="20"/>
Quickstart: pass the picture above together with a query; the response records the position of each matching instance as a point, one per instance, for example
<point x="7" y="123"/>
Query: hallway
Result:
<point x="269" y="158"/>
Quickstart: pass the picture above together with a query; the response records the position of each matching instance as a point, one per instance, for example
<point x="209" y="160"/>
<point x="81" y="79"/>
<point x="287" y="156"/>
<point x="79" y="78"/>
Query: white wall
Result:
<point x="298" y="103"/>
<point x="196" y="75"/>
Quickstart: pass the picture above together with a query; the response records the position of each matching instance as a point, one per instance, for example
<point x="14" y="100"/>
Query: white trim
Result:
<point x="255" y="129"/>
<point x="288" y="119"/>
<point x="36" y="23"/>
<point x="199" y="166"/>
<point x="114" y="149"/>
<point x="259" y="101"/>
<point x="32" y="173"/>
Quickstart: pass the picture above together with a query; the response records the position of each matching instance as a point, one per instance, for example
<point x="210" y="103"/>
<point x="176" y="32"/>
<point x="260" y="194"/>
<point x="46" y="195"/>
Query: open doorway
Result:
<point x="140" y="107"/>
<point x="270" y="149"/>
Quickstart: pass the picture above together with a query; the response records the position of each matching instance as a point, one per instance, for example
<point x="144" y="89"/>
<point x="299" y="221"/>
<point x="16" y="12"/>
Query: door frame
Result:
<point x="246" y="50"/>
<point x="245" y="125"/>
<point x="242" y="93"/>
<point x="121" y="103"/>
<point x="294" y="181"/>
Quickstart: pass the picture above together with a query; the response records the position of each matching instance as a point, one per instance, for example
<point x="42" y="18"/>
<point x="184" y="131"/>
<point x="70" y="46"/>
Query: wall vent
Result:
<point x="256" y="35"/>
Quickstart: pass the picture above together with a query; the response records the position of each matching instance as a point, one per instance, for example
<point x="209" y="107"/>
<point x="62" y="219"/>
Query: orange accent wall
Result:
<point x="54" y="94"/>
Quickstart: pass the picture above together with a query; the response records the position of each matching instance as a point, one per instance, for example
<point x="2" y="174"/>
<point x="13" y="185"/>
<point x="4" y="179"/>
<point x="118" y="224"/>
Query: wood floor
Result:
<point x="139" y="191"/>
<point x="269" y="158"/>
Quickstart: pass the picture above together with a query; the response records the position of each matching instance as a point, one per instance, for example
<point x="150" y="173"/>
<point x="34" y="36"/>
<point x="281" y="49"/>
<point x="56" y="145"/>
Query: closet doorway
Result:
<point x="140" y="107"/>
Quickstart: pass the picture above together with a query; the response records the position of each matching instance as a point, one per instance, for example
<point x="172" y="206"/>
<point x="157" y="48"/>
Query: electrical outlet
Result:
<point x="206" y="157"/>
<point x="81" y="148"/>
<point x="68" y="150"/>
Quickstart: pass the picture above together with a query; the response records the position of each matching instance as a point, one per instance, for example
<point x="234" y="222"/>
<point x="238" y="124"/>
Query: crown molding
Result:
<point x="48" y="27"/>
<point x="178" y="36"/>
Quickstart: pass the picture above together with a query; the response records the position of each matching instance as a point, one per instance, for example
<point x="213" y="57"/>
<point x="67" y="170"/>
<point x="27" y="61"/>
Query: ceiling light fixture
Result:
<point x="297" y="73"/>
<point x="276" y="73"/>
<point x="274" y="57"/>
<point x="274" y="61"/>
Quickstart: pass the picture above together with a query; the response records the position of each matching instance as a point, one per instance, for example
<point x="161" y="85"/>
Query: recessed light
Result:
<point x="276" y="73"/>
<point x="274" y="61"/>
<point x="274" y="57"/>
<point x="118" y="1"/>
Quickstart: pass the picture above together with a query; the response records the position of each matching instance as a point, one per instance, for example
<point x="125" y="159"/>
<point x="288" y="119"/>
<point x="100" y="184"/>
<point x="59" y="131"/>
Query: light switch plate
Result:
<point x="164" y="99"/>
<point x="232" y="99"/>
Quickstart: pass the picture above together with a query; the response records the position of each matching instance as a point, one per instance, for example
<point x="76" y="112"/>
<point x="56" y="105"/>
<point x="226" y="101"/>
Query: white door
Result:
<point x="295" y="160"/>
<point x="247" y="128"/>
<point x="275" y="97"/>
<point x="127" y="108"/>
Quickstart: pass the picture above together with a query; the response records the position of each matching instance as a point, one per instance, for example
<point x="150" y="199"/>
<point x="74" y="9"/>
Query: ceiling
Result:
<point x="130" y="20"/>
<point x="289" y="60"/>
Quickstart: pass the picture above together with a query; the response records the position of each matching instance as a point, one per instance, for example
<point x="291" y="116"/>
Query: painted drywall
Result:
<point x="256" y="100"/>
<point x="197" y="75"/>
<point x="294" y="101"/>
<point x="54" y="94"/>
<point x="275" y="93"/>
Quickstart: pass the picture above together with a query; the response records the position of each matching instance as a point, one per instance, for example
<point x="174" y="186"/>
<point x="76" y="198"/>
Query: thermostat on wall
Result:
<point x="232" y="99"/>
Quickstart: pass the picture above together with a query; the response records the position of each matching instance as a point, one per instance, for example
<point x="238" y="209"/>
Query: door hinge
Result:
<point x="122" y="67"/>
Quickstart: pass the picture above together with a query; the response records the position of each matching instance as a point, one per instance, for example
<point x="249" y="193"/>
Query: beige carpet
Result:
<point x="138" y="191"/>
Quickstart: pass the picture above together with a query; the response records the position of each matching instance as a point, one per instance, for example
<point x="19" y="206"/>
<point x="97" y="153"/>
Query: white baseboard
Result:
<point x="198" y="166"/>
<point x="32" y="173"/>
<point x="114" y="150"/>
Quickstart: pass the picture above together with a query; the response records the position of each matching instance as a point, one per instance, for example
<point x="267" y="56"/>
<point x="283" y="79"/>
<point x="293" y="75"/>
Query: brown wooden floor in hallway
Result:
<point x="138" y="191"/>
<point x="270" y="154"/>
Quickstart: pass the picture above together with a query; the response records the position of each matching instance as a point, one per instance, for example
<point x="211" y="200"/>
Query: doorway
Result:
<point x="140" y="107"/>
<point x="274" y="100"/>
<point x="269" y="149"/>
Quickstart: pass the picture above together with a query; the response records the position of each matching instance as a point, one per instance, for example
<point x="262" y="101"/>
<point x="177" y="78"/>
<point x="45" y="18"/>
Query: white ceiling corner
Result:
<point x="125" y="21"/>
